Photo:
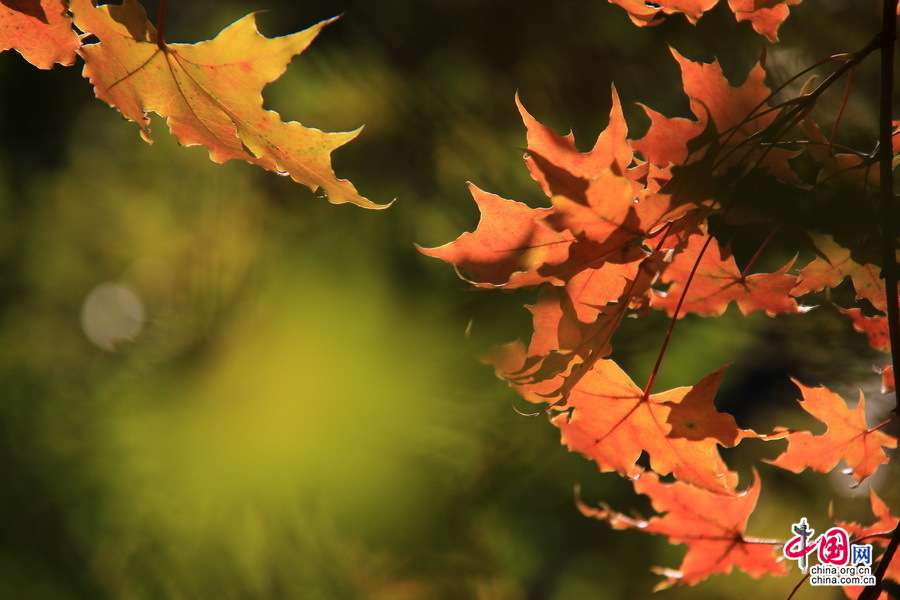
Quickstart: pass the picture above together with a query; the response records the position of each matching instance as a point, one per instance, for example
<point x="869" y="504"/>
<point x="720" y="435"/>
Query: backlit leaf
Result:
<point x="608" y="419"/>
<point x="210" y="93"/>
<point x="847" y="437"/>
<point x="40" y="30"/>
<point x="712" y="526"/>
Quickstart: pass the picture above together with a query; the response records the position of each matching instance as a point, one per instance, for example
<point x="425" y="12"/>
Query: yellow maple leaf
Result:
<point x="210" y="93"/>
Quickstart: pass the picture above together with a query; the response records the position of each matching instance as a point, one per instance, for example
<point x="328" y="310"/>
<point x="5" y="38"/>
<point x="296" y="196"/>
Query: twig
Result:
<point x="887" y="37"/>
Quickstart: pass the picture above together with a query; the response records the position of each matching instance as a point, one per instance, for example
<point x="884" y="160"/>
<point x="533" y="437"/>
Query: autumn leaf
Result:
<point x="765" y="15"/>
<point x="40" y="30"/>
<point x="609" y="213"/>
<point x="838" y="168"/>
<point x="875" y="328"/>
<point x="847" y="437"/>
<point x="878" y="534"/>
<point x="610" y="149"/>
<point x="210" y="93"/>
<point x="608" y="419"/>
<point x="834" y="264"/>
<point x="594" y="288"/>
<point x="507" y="248"/>
<point x="665" y="142"/>
<point x="642" y="13"/>
<point x="883" y="526"/>
<point x="738" y="113"/>
<point x="711" y="525"/>
<point x="717" y="281"/>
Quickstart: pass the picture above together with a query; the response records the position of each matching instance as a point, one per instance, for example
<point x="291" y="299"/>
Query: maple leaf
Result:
<point x="737" y="113"/>
<point x="611" y="148"/>
<point x="876" y="328"/>
<point x="608" y="419"/>
<point x="610" y="214"/>
<point x="665" y="142"/>
<point x="591" y="289"/>
<point x="642" y="13"/>
<point x="834" y="264"/>
<point x="573" y="327"/>
<point x="764" y="15"/>
<point x="557" y="333"/>
<point x="838" y="168"/>
<point x="507" y="248"/>
<point x="882" y="527"/>
<point x="847" y="437"/>
<point x="711" y="525"/>
<point x="877" y="533"/>
<point x="211" y="92"/>
<point x="40" y="30"/>
<point x="718" y="281"/>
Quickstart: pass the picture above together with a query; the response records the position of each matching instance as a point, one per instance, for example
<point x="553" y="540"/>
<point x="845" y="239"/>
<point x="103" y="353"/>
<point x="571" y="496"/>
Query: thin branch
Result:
<point x="887" y="38"/>
<point x="837" y="121"/>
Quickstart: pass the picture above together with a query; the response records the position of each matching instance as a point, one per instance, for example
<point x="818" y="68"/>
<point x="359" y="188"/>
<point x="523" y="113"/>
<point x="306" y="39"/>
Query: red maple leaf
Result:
<point x="665" y="142"/>
<point x="717" y="281"/>
<point x="712" y="526"/>
<point x="847" y="437"/>
<point x="611" y="148"/>
<point x="765" y="15"/>
<point x="507" y="248"/>
<point x="608" y="419"/>
<point x="875" y="328"/>
<point x="877" y="534"/>
<point x="834" y="264"/>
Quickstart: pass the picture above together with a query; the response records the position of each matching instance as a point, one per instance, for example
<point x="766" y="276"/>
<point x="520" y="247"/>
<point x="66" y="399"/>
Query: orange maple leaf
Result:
<point x="611" y="147"/>
<point x="643" y="13"/>
<point x="875" y="327"/>
<point x="211" y="92"/>
<point x="765" y="15"/>
<point x="717" y="281"/>
<point x="878" y="533"/>
<point x="711" y="525"/>
<point x="665" y="142"/>
<point x="847" y="437"/>
<point x="608" y="419"/>
<point x="610" y="214"/>
<point x="40" y="30"/>
<point x="738" y="113"/>
<point x="880" y="529"/>
<point x="833" y="266"/>
<point x="573" y="328"/>
<point x="507" y="248"/>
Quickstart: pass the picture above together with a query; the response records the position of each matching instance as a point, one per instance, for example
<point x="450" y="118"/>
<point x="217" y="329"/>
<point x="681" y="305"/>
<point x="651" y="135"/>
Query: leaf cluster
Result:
<point x="635" y="226"/>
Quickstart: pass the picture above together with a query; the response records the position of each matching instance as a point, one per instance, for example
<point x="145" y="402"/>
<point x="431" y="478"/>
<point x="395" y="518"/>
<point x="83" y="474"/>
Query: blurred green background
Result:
<point x="215" y="385"/>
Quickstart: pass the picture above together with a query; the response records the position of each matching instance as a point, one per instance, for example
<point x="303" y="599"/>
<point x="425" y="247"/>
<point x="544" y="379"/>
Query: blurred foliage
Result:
<point x="279" y="400"/>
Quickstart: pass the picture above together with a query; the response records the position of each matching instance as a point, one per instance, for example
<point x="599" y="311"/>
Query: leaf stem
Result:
<point x="797" y="587"/>
<point x="837" y="121"/>
<point x="161" y="26"/>
<point x="687" y="284"/>
<point x="759" y="251"/>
